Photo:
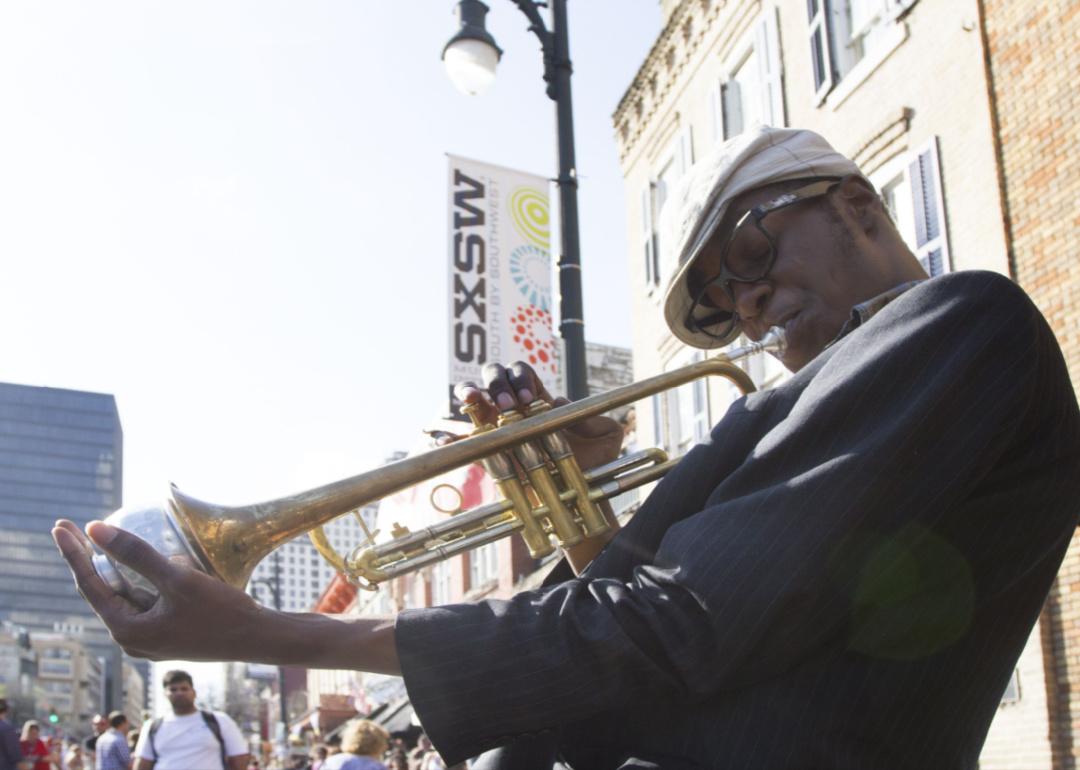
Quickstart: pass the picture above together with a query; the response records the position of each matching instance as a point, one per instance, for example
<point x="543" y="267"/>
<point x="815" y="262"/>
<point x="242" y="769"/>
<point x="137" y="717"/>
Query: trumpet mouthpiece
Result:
<point x="774" y="341"/>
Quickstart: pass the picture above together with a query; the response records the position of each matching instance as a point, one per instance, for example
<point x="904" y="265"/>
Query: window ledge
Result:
<point x="898" y="33"/>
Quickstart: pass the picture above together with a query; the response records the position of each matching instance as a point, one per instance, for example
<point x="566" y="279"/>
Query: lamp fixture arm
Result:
<point x="554" y="59"/>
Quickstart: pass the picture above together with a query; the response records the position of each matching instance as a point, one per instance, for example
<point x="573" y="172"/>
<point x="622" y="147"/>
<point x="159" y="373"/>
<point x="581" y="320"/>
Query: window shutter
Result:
<point x="731" y="104"/>
<point x="674" y="420"/>
<point x="716" y="113"/>
<point x="820" y="49"/>
<point x="931" y="241"/>
<point x="767" y="45"/>
<point x="649" y="237"/>
<point x="686" y="150"/>
<point x="658" y="421"/>
<point x="701" y="404"/>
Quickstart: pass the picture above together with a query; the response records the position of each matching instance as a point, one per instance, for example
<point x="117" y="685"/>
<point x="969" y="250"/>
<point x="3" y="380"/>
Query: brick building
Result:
<point x="1033" y="67"/>
<point x="961" y="112"/>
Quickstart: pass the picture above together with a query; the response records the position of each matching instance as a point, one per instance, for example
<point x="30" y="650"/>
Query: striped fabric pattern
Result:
<point x="842" y="577"/>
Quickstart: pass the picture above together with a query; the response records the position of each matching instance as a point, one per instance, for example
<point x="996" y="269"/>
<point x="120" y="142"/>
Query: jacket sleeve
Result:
<point x="884" y="444"/>
<point x="10" y="746"/>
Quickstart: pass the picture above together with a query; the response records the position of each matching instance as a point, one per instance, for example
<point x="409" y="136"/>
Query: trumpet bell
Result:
<point x="158" y="526"/>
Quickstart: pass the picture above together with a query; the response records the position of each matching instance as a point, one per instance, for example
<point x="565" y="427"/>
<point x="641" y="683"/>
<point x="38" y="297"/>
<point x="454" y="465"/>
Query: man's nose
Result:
<point x="750" y="298"/>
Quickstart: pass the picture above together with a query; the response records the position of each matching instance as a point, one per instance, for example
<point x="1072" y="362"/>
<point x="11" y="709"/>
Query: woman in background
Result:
<point x="34" y="748"/>
<point x="362" y="745"/>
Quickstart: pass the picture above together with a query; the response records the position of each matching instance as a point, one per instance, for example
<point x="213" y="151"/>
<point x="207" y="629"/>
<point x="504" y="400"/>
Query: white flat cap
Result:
<point x="760" y="156"/>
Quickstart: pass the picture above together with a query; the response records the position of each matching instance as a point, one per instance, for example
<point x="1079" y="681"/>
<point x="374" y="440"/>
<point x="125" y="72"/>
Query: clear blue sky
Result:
<point x="232" y="216"/>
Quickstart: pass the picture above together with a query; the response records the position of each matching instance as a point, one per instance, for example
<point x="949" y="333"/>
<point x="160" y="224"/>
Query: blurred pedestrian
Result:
<point x="318" y="757"/>
<point x="111" y="751"/>
<point x="33" y="748"/>
<point x="74" y="759"/>
<point x="99" y="724"/>
<point x="11" y="756"/>
<point x="397" y="760"/>
<point x="362" y="745"/>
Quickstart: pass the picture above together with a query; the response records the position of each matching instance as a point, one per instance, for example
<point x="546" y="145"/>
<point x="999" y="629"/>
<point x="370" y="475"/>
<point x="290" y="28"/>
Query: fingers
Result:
<point x="78" y="534"/>
<point x="132" y="551"/>
<point x="504" y="388"/>
<point x="471" y="394"/>
<point x="527" y="384"/>
<point x="515" y="386"/>
<point x="76" y="550"/>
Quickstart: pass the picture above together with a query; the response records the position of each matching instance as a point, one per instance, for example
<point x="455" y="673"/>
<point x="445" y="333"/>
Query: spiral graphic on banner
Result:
<point x="530" y="270"/>
<point x="529" y="212"/>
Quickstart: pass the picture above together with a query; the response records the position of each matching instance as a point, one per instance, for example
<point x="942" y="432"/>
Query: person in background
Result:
<point x="111" y="751"/>
<point x="74" y="759"/>
<point x="132" y="738"/>
<point x="189" y="738"/>
<point x="362" y="746"/>
<point x="397" y="760"/>
<point x="416" y="756"/>
<point x="318" y="757"/>
<point x="34" y="749"/>
<point x="99" y="725"/>
<point x="11" y="756"/>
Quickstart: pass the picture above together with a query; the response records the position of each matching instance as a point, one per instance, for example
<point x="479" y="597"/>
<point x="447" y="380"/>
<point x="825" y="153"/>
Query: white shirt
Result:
<point x="186" y="743"/>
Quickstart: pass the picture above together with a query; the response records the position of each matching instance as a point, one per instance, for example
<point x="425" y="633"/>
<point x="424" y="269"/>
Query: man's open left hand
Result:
<point x="195" y="617"/>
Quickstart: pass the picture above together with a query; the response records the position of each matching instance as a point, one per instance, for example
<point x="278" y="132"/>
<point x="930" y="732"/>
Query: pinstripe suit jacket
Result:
<point x="843" y="577"/>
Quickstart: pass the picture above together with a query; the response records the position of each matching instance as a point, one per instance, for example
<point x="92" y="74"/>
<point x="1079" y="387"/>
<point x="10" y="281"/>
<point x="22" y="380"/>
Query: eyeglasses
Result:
<point x="747" y="256"/>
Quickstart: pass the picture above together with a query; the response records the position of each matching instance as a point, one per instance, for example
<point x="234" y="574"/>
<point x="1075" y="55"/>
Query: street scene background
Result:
<point x="224" y="236"/>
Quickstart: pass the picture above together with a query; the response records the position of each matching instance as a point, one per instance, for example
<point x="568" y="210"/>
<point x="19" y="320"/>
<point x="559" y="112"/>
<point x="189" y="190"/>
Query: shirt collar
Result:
<point x="864" y="311"/>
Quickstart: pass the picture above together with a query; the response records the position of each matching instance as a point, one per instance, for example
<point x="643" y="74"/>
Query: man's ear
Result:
<point x="859" y="202"/>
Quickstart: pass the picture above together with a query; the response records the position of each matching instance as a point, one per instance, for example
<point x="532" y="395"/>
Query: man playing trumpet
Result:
<point x="843" y="576"/>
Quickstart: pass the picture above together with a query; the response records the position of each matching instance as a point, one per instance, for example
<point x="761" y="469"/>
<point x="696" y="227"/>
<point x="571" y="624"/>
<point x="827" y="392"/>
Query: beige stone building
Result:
<point x="69" y="680"/>
<point x="963" y="114"/>
<point x="134" y="707"/>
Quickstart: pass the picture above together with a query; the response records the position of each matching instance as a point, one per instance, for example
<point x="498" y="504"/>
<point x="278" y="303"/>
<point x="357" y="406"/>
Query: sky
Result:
<point x="232" y="216"/>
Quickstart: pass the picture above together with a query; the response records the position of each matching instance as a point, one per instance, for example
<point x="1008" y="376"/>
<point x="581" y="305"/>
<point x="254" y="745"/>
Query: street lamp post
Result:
<point x="274" y="587"/>
<point x="471" y="57"/>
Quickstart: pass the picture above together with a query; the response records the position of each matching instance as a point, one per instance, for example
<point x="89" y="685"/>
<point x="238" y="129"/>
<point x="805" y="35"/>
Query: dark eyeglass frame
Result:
<point x="815" y="189"/>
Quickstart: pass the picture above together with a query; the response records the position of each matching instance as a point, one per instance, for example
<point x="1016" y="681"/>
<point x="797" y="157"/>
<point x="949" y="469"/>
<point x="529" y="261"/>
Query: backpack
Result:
<point x="211" y="722"/>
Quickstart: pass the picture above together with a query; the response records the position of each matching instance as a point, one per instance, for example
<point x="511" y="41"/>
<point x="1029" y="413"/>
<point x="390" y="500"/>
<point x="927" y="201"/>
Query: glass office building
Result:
<point x="61" y="455"/>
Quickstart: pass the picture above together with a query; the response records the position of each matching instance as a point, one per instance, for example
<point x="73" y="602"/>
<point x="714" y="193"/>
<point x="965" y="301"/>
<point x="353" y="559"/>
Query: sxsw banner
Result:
<point x="500" y="273"/>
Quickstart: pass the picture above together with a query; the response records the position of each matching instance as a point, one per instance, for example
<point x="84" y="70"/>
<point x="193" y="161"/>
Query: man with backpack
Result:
<point x="189" y="738"/>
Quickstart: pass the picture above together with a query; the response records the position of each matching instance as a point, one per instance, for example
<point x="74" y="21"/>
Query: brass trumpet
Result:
<point x="559" y="499"/>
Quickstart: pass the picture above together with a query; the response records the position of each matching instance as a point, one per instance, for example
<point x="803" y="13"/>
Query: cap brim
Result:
<point x="678" y="302"/>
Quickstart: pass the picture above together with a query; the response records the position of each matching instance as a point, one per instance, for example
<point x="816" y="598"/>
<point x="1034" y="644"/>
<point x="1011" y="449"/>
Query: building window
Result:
<point x="751" y="89"/>
<point x="440" y="583"/>
<point x="674" y="163"/>
<point x="911" y="190"/>
<point x="681" y="415"/>
<point x="847" y="33"/>
<point x="483" y="565"/>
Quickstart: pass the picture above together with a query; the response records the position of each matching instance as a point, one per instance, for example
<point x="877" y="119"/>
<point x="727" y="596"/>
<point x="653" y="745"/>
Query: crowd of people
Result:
<point x="365" y="745"/>
<point x="193" y="739"/>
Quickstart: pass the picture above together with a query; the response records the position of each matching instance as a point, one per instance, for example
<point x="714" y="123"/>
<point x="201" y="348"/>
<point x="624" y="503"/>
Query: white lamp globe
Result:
<point x="471" y="63"/>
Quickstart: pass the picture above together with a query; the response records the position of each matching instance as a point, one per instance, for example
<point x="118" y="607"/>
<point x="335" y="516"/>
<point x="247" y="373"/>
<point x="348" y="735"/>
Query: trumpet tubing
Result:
<point x="559" y="499"/>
